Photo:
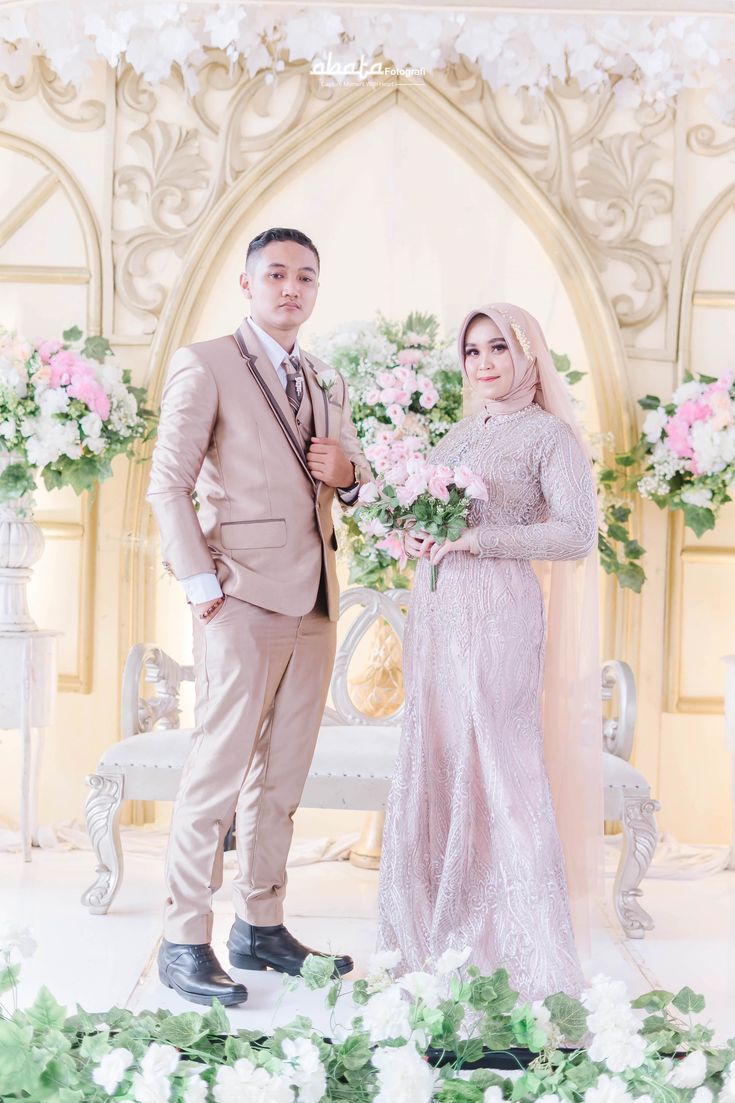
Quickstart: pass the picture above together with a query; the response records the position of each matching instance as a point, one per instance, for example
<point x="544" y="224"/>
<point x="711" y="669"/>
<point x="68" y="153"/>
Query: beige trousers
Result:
<point x="261" y="682"/>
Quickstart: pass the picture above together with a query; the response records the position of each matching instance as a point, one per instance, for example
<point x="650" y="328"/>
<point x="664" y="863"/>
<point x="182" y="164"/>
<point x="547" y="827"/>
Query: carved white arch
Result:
<point x="310" y="140"/>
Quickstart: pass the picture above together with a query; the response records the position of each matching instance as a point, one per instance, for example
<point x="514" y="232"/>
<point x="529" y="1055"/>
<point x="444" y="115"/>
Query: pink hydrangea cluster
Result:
<point x="69" y="369"/>
<point x="399" y="388"/>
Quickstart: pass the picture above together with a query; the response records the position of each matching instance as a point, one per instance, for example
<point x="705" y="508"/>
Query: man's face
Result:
<point x="281" y="282"/>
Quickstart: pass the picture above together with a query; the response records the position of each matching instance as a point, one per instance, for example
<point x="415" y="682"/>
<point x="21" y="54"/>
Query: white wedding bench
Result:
<point x="353" y="762"/>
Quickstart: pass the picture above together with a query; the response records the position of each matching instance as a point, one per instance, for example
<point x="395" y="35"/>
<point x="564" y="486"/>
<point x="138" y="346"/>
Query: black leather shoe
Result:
<point x="274" y="948"/>
<point x="194" y="972"/>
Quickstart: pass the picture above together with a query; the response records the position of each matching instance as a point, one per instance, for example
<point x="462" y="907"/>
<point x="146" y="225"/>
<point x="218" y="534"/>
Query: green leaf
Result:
<point x="215" y="1021"/>
<point x="236" y="1047"/>
<point x="354" y="1053"/>
<point x="655" y="1000"/>
<point x="16" y="480"/>
<point x="95" y="1046"/>
<point x="97" y="348"/>
<point x="46" y="1013"/>
<point x="633" y="549"/>
<point x="698" y="519"/>
<point x="575" y="376"/>
<point x="71" y="335"/>
<point x="582" y="1075"/>
<point x="183" y="1030"/>
<point x="630" y="576"/>
<point x="688" y="1001"/>
<point x="493" y="994"/>
<point x="568" y="1014"/>
<point x="20" y="1068"/>
<point x="471" y="1050"/>
<point x="9" y="977"/>
<point x="317" y="971"/>
<point x="359" y="992"/>
<point x="649" y="402"/>
<point x="617" y="532"/>
<point x="625" y="459"/>
<point x="69" y="1095"/>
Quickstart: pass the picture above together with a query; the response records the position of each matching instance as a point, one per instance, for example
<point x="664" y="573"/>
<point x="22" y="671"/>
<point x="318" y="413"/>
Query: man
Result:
<point x="264" y="431"/>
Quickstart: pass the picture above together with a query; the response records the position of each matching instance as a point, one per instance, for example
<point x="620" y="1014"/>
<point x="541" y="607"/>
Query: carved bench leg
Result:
<point x="102" y="813"/>
<point x="639" y="842"/>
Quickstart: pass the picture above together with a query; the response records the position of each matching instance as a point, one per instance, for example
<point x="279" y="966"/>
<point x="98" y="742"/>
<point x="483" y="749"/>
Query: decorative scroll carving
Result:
<point x="62" y="99"/>
<point x="639" y="843"/>
<point x="102" y="812"/>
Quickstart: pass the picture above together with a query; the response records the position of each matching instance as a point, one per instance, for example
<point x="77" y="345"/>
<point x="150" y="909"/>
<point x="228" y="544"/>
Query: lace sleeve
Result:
<point x="568" y="488"/>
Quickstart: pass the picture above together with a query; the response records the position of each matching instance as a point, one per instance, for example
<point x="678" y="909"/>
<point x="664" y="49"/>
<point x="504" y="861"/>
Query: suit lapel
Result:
<point x="318" y="395"/>
<point x="266" y="377"/>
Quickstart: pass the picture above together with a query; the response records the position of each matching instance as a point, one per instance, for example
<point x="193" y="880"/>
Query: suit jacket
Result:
<point x="227" y="429"/>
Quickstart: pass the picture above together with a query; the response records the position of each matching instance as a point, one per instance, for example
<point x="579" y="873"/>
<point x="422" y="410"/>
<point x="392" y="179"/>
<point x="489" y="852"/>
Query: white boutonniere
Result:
<point x="327" y="379"/>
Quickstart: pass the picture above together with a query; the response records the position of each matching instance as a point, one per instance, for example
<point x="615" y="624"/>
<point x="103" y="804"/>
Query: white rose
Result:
<point x="697" y="496"/>
<point x="493" y="1094"/>
<point x="14" y="937"/>
<point x="151" y="1089"/>
<point x="689" y="1072"/>
<point x="686" y="392"/>
<point x="112" y="1068"/>
<point x="703" y="1095"/>
<point x="451" y="960"/>
<point x="195" y="1090"/>
<point x="386" y="1015"/>
<point x="327" y="378"/>
<point x="308" y="1073"/>
<point x="8" y="428"/>
<point x="403" y="1076"/>
<point x="653" y="426"/>
<point x="91" y="424"/>
<point x="422" y="986"/>
<point x="608" y="1089"/>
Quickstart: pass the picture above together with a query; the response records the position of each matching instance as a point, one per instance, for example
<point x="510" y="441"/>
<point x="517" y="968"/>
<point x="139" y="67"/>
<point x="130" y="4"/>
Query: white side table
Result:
<point x="27" y="700"/>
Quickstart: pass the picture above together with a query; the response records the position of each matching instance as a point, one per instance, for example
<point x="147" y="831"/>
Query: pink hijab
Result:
<point x="571" y="704"/>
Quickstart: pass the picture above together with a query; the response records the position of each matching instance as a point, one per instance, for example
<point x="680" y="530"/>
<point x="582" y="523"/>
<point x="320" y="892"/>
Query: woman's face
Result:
<point x="487" y="359"/>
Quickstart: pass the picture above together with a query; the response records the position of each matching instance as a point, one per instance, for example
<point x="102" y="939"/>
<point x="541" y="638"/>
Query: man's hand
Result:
<point x="205" y="610"/>
<point x="328" y="463"/>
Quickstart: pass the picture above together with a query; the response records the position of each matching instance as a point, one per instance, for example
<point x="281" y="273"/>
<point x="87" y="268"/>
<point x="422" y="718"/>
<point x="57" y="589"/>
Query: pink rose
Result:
<point x="408" y="493"/>
<point x="414" y="485"/>
<point x="47" y="349"/>
<point x="694" y="410"/>
<point x="393" y="545"/>
<point x="397" y="414"/>
<point x="409" y="356"/>
<point x="403" y="397"/>
<point x="396" y="474"/>
<point x="677" y="436"/>
<point x="386" y="379"/>
<point x="462" y="476"/>
<point x="372" y="397"/>
<point x="476" y="489"/>
<point x="438" y="488"/>
<point x="425" y="383"/>
<point x="388" y="395"/>
<point x="368" y="493"/>
<point x="428" y="399"/>
<point x="374" y="527"/>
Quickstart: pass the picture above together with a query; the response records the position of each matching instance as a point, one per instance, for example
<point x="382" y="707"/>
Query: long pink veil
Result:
<point x="571" y="711"/>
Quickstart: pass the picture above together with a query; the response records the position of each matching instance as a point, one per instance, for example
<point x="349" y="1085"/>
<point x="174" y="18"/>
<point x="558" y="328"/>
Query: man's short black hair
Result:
<point x="279" y="233"/>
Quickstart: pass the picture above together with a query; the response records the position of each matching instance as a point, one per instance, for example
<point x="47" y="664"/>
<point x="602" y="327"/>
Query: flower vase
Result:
<point x="21" y="545"/>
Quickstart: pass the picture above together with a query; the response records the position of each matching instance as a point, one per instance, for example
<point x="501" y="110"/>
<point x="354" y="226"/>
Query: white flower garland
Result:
<point x="646" y="59"/>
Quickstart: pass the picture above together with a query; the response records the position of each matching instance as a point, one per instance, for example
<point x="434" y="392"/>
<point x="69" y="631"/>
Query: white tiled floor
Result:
<point x="102" y="961"/>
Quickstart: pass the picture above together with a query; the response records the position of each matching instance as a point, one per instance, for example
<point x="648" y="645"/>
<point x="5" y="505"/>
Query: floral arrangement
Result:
<point x="406" y="393"/>
<point x="66" y="409"/>
<point x="443" y="1036"/>
<point x="686" y="451"/>
<point x="414" y="492"/>
<point x="643" y="59"/>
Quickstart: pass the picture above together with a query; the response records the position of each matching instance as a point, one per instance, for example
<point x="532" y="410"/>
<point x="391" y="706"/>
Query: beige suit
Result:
<point x="264" y="660"/>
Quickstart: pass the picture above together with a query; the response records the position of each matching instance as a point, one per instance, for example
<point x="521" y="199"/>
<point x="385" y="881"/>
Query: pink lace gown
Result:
<point x="471" y="853"/>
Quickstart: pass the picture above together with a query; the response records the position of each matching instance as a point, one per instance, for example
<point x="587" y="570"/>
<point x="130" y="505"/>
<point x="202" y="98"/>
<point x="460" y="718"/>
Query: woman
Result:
<point x="495" y="814"/>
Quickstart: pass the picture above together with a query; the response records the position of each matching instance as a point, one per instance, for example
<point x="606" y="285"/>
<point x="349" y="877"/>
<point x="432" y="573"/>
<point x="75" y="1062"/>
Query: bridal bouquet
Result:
<point x="411" y="492"/>
<point x="66" y="409"/>
<point x="687" y="447"/>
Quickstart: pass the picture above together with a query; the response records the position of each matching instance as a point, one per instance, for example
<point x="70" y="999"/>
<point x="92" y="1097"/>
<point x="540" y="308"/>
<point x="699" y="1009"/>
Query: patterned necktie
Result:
<point x="294" y="381"/>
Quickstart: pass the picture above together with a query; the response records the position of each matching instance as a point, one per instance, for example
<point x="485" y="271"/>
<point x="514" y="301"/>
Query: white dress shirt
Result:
<point x="205" y="585"/>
